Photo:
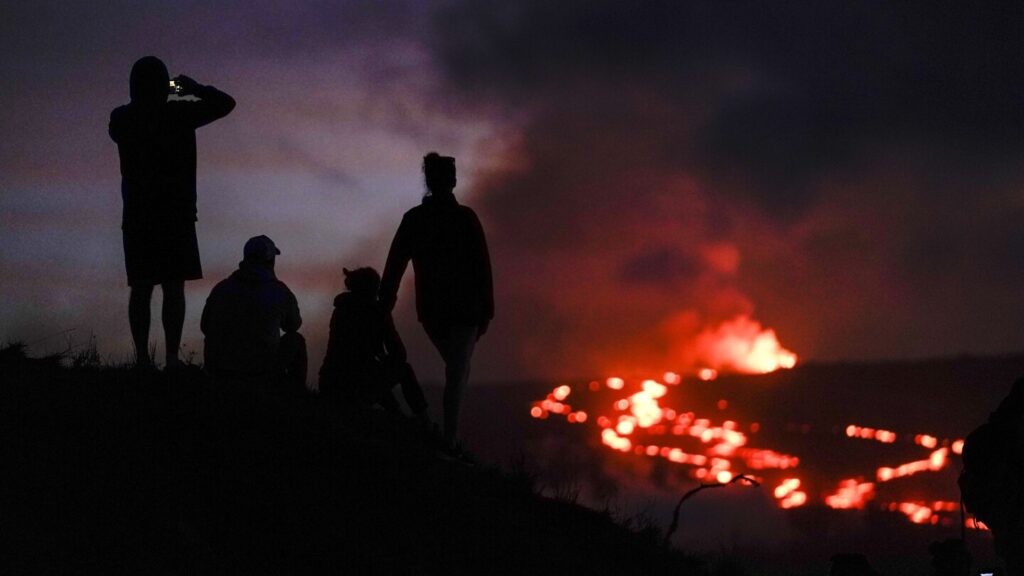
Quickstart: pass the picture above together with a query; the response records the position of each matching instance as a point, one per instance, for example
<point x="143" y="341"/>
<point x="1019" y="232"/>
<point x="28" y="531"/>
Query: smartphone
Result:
<point x="173" y="89"/>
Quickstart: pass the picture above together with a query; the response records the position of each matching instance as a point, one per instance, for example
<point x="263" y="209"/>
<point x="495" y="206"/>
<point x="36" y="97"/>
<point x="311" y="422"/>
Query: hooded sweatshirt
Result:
<point x="362" y="333"/>
<point x="243" y="319"/>
<point x="156" y="143"/>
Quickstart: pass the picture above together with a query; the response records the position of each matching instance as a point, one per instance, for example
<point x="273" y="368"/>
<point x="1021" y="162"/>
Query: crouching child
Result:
<point x="365" y="356"/>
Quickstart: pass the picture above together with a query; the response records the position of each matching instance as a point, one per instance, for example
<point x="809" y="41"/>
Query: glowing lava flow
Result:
<point x="638" y="424"/>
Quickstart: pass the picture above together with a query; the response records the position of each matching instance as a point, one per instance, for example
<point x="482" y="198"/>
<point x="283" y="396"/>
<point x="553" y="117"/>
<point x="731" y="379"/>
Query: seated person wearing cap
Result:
<point x="365" y="356"/>
<point x="243" y="320"/>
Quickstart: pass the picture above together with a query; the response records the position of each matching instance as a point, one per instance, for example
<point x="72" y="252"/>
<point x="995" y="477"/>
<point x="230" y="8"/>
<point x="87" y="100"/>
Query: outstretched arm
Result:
<point x="212" y="105"/>
<point x="394" y="269"/>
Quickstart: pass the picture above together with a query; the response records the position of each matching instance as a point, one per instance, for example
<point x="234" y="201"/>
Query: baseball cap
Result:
<point x="260" y="248"/>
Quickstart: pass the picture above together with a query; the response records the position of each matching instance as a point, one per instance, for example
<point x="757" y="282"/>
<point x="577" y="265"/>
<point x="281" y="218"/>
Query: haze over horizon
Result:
<point x="647" y="173"/>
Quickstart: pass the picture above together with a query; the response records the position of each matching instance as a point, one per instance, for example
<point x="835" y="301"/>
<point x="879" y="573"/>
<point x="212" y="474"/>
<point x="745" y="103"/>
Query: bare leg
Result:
<point x="138" y="320"/>
<point x="174" y="319"/>
<point x="456" y="345"/>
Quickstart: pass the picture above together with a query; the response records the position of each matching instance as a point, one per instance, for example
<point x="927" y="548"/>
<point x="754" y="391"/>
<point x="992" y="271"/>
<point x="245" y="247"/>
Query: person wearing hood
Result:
<point x="243" y="321"/>
<point x="156" y="144"/>
<point x="365" y="355"/>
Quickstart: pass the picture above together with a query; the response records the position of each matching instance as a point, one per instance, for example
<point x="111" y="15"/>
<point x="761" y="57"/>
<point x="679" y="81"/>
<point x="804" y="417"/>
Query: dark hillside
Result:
<point x="110" y="471"/>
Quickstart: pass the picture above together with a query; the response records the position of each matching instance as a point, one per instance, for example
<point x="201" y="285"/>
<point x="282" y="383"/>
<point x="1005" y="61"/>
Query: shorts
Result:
<point x="160" y="255"/>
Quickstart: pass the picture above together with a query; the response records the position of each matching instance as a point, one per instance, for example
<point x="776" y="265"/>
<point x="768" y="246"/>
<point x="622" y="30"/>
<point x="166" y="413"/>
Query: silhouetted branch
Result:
<point x="675" y="514"/>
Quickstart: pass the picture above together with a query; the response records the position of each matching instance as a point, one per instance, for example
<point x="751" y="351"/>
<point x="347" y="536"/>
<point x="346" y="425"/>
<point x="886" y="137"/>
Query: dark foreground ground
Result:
<point x="113" y="472"/>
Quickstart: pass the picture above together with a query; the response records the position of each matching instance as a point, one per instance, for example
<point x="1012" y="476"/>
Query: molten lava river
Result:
<point x="679" y="422"/>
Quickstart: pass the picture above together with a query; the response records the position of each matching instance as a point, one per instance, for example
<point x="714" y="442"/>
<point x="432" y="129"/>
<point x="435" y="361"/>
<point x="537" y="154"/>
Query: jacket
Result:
<point x="157" y="149"/>
<point x="446" y="244"/>
<point x="243" y="319"/>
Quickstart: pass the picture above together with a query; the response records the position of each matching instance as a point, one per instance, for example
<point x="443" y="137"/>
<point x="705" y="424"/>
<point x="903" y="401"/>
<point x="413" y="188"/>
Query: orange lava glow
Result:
<point x="638" y="423"/>
<point x="743" y="345"/>
<point x="935" y="462"/>
<point x="851" y="494"/>
<point x="707" y="374"/>
<point x="788" y="495"/>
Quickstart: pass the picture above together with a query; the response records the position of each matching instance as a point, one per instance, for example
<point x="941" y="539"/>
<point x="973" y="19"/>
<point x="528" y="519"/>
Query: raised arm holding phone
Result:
<point x="156" y="144"/>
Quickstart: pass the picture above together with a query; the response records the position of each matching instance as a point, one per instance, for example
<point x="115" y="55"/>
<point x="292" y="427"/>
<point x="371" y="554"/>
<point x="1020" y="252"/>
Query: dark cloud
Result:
<point x="862" y="158"/>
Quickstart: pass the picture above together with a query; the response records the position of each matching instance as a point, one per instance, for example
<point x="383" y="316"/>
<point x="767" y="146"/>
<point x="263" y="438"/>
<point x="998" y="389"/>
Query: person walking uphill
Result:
<point x="454" y="289"/>
<point x="156" y="143"/>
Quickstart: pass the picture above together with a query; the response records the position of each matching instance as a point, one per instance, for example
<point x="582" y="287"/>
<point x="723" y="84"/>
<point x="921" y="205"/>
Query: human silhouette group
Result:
<point x="251" y="319"/>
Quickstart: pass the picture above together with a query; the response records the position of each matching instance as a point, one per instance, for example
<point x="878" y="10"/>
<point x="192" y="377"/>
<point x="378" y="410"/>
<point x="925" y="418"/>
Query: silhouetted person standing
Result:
<point x="454" y="290"/>
<point x="156" y="143"/>
<point x="243" y="320"/>
<point x="365" y="356"/>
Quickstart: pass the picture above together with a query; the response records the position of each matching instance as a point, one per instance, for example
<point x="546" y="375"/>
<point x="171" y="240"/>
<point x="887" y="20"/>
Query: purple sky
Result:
<point x="849" y="176"/>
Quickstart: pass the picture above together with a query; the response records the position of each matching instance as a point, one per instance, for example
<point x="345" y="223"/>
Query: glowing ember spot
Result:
<point x="671" y="378"/>
<point x="652" y="450"/>
<point x="594" y="386"/>
<point x="615" y="383"/>
<point x="940" y="506"/>
<point x="581" y="416"/>
<point x="938" y="459"/>
<point x="707" y="374"/>
<point x="723" y="404"/>
<point x="622" y="404"/>
<point x="926" y="440"/>
<point x="851" y="494"/>
<point x="957" y="447"/>
<point x="976" y="524"/>
<point x="723" y="477"/>
<point x="786" y="487"/>
<point x="917" y="513"/>
<point x="536" y="412"/>
<point x="562" y="392"/>
<point x="764" y="459"/>
<point x="626" y="426"/>
<point x="645" y="407"/>
<point x="794" y="500"/>
<point x="755" y="428"/>
<point x="615" y="442"/>
<point x="653" y="389"/>
<point x="866" y="433"/>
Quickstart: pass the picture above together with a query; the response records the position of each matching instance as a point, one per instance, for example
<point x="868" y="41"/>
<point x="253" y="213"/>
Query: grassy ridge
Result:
<point x="114" y="471"/>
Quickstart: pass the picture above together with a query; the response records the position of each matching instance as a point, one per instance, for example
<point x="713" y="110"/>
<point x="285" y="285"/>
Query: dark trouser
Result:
<point x="371" y="382"/>
<point x="456" y="345"/>
<point x="287" y="375"/>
